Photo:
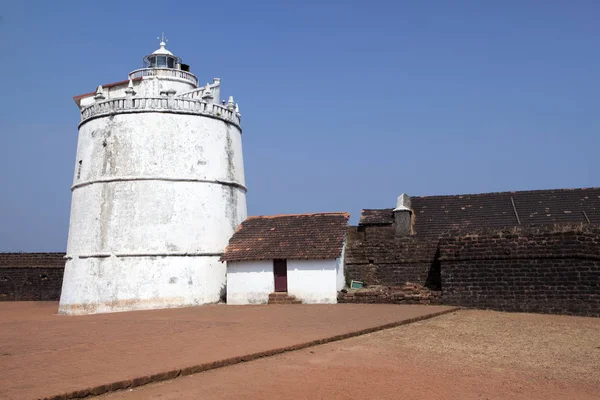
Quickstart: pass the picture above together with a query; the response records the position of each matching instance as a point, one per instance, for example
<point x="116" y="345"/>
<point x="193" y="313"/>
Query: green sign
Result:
<point x="356" y="285"/>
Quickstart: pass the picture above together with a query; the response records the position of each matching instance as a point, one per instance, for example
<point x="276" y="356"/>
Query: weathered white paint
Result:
<point x="250" y="282"/>
<point x="341" y="273"/>
<point x="156" y="196"/>
<point x="313" y="281"/>
<point x="180" y="81"/>
<point x="111" y="284"/>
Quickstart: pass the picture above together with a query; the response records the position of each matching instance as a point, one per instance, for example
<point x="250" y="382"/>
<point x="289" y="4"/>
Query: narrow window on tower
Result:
<point x="79" y="169"/>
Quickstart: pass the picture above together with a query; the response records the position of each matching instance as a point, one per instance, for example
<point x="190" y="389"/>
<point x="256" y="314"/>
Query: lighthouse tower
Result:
<point x="157" y="192"/>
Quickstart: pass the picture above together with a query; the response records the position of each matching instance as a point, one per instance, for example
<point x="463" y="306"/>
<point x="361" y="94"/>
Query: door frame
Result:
<point x="280" y="265"/>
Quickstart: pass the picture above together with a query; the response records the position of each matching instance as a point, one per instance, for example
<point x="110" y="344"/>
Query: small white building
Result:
<point x="295" y="257"/>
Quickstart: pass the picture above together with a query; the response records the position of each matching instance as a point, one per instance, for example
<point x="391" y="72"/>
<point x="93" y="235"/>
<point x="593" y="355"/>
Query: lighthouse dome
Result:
<point x="162" y="58"/>
<point x="162" y="50"/>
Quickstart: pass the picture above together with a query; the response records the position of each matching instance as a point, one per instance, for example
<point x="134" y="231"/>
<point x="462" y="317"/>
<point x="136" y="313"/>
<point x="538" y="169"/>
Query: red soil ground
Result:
<point x="44" y="354"/>
<point x="465" y="355"/>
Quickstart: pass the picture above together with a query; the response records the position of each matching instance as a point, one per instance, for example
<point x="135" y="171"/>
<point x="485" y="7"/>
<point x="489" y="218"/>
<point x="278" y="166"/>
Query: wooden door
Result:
<point x="280" y="273"/>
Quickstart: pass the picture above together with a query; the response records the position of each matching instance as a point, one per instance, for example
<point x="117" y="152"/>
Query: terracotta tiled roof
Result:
<point x="435" y="215"/>
<point x="298" y="236"/>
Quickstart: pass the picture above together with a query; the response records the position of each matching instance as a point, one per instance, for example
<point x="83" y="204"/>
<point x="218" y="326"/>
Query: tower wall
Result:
<point x="158" y="191"/>
<point x="151" y="85"/>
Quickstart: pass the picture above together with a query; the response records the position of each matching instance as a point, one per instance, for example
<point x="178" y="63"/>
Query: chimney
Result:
<point x="402" y="214"/>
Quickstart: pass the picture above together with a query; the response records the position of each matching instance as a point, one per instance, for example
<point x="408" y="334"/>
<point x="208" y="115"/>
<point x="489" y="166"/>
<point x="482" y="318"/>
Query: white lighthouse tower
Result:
<point x="158" y="190"/>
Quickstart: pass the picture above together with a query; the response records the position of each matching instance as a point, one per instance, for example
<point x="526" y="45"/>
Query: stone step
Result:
<point x="278" y="295"/>
<point x="282" y="298"/>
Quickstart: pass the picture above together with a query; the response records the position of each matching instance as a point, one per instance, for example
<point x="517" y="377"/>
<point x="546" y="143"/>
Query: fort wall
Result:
<point x="31" y="276"/>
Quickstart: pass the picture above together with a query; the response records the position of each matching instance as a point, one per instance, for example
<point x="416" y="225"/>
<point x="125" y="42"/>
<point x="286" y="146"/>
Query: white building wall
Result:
<point x="250" y="282"/>
<point x="116" y="91"/>
<point x="109" y="93"/>
<point x="313" y="281"/>
<point x="87" y="101"/>
<point x="341" y="273"/>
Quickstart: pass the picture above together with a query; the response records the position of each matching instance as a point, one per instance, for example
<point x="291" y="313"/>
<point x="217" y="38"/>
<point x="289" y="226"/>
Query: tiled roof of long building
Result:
<point x="298" y="236"/>
<point x="435" y="215"/>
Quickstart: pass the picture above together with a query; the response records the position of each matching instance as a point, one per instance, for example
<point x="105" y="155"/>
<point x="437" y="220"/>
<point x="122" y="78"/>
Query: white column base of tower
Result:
<point x="98" y="284"/>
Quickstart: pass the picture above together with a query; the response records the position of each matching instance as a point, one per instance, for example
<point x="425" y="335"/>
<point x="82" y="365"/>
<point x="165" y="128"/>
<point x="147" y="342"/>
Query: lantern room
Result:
<point x="163" y="58"/>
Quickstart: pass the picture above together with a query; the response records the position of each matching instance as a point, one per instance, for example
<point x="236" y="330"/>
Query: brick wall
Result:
<point x="31" y="276"/>
<point x="544" y="270"/>
<point x="376" y="256"/>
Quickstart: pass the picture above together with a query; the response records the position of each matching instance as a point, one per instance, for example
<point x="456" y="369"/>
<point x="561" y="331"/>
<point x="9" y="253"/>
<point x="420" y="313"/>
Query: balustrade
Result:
<point x="167" y="72"/>
<point x="133" y="104"/>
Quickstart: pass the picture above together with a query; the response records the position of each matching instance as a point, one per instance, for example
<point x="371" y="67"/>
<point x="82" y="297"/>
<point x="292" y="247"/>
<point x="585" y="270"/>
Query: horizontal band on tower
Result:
<point x="161" y="254"/>
<point x="159" y="178"/>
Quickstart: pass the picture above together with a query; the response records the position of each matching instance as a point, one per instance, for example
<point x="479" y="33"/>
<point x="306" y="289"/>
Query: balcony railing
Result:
<point x="166" y="72"/>
<point x="165" y="104"/>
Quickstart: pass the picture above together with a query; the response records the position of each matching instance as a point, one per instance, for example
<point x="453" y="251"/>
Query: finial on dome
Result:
<point x="231" y="103"/>
<point x="163" y="43"/>
<point x="163" y="40"/>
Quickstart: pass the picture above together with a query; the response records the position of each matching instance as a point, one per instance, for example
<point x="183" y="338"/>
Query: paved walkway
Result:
<point x="43" y="354"/>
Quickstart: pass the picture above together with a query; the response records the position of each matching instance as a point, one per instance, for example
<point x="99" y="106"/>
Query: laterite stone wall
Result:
<point x="31" y="276"/>
<point x="376" y="256"/>
<point x="545" y="270"/>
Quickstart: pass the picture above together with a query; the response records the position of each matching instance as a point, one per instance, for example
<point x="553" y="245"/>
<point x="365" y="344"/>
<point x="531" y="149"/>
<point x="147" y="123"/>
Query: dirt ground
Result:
<point x="464" y="355"/>
<point x="44" y="354"/>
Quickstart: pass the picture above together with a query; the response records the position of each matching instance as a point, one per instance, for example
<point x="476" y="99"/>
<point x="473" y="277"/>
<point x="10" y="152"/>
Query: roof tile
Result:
<point x="297" y="236"/>
<point x="435" y="215"/>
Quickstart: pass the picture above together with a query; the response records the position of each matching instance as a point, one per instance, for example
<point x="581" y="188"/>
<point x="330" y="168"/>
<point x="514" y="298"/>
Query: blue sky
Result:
<point x="345" y="104"/>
